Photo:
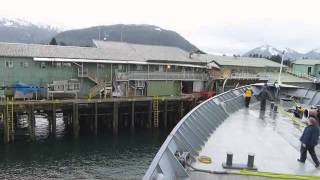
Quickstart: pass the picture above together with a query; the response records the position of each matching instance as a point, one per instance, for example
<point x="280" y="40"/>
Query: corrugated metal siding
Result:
<point x="33" y="74"/>
<point x="303" y="68"/>
<point x="164" y="88"/>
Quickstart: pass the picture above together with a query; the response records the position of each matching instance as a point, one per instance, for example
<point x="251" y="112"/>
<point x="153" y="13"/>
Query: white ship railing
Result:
<point x="194" y="129"/>
<point x="192" y="132"/>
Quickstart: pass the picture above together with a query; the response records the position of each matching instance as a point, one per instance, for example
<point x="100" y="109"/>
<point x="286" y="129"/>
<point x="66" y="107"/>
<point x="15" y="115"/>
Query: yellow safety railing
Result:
<point x="277" y="175"/>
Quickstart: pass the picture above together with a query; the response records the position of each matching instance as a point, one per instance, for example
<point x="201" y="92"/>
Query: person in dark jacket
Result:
<point x="309" y="140"/>
<point x="263" y="95"/>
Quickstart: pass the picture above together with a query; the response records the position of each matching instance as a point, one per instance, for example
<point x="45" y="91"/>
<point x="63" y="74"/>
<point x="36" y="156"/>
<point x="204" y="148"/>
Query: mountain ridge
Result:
<point x="131" y="33"/>
<point x="289" y="54"/>
<point x="21" y="31"/>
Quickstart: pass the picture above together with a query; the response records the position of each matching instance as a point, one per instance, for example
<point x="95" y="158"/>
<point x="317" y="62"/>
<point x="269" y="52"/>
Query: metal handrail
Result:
<point x="160" y="75"/>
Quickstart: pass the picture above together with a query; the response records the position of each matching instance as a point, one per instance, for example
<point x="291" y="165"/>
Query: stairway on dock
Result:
<point x="99" y="84"/>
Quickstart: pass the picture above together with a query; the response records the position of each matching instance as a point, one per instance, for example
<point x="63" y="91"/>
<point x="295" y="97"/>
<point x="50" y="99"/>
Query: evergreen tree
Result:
<point x="53" y="41"/>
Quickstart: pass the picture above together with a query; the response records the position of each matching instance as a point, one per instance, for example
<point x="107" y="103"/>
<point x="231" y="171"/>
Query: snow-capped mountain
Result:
<point x="291" y="54"/>
<point x="21" y="31"/>
<point x="313" y="54"/>
<point x="268" y="51"/>
<point x="264" y="51"/>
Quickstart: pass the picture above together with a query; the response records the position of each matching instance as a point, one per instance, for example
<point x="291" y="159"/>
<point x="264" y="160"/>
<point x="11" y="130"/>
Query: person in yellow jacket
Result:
<point x="248" y="95"/>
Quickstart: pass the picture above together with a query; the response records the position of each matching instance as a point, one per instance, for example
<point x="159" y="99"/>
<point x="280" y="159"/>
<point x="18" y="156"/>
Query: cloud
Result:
<point x="228" y="26"/>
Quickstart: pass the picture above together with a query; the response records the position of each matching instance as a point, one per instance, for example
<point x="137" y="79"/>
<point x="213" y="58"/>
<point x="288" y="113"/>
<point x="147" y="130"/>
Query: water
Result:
<point x="125" y="156"/>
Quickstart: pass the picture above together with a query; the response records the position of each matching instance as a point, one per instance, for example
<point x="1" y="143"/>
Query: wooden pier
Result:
<point x="95" y="116"/>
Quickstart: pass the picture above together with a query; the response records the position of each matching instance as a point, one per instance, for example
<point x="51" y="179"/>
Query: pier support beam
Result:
<point x="5" y="124"/>
<point x="150" y="114"/>
<point x="54" y="121"/>
<point x="180" y="110"/>
<point x="95" y="119"/>
<point x="132" y="117"/>
<point x="115" y="117"/>
<point x="75" y="120"/>
<point x="165" y="119"/>
<point x="31" y="123"/>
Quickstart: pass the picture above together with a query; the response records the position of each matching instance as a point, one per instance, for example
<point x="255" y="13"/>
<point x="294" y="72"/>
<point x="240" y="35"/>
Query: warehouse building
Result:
<point x="110" y="69"/>
<point x="236" y="71"/>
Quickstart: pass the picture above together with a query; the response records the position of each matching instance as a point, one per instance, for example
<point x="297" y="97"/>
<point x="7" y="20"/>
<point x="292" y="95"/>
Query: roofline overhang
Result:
<point x="105" y="61"/>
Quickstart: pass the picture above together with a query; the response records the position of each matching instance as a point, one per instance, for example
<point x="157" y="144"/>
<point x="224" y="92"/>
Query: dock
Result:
<point x="96" y="116"/>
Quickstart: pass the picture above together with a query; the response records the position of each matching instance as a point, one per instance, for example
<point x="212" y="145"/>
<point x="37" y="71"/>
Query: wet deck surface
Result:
<point x="272" y="137"/>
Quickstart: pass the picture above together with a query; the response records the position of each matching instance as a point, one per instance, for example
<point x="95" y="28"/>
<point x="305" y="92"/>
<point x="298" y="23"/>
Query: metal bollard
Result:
<point x="275" y="108"/>
<point x="250" y="163"/>
<point x="272" y="105"/>
<point x="229" y="159"/>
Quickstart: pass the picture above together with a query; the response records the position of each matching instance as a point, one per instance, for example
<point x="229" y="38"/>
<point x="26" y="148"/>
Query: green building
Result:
<point x="109" y="69"/>
<point x="306" y="67"/>
<point x="236" y="71"/>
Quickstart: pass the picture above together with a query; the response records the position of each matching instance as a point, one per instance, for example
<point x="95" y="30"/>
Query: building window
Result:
<point x="58" y="64"/>
<point x="43" y="65"/>
<point x="24" y="64"/>
<point x="100" y="66"/>
<point x="120" y="67"/>
<point x="66" y="64"/>
<point x="161" y="68"/>
<point x="9" y="64"/>
<point x="139" y="68"/>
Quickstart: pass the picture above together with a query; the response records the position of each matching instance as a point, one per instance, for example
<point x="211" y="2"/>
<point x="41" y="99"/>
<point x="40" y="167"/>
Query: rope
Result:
<point x="205" y="159"/>
<point x="277" y="175"/>
<point x="292" y="118"/>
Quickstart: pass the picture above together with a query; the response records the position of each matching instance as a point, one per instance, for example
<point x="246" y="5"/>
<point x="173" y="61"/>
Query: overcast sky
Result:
<point x="226" y="26"/>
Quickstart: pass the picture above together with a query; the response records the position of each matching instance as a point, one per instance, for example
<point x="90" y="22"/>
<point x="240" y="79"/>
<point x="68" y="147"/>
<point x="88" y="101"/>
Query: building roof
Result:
<point x="52" y="51"/>
<point x="113" y="51"/>
<point x="151" y="52"/>
<point x="307" y="61"/>
<point x="239" y="61"/>
<point x="288" y="78"/>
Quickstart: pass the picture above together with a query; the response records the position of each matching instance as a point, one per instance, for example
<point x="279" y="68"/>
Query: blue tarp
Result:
<point x="26" y="88"/>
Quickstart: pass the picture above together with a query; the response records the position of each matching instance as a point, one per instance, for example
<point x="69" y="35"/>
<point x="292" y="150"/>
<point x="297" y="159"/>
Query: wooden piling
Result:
<point x="31" y="123"/>
<point x="75" y="120"/>
<point x="54" y="121"/>
<point x="165" y="119"/>
<point x="180" y="110"/>
<point x="115" y="117"/>
<point x="95" y="119"/>
<point x="150" y="114"/>
<point x="132" y="117"/>
<point x="5" y="124"/>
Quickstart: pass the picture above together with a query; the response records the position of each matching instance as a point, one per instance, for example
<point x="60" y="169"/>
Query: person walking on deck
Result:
<point x="263" y="98"/>
<point x="248" y="94"/>
<point x="309" y="140"/>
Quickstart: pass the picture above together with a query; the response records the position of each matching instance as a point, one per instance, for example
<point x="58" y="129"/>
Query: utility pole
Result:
<point x="282" y="58"/>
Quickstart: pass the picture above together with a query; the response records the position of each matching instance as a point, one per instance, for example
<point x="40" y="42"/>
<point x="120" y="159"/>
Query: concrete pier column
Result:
<point x="54" y="121"/>
<point x="75" y="120"/>
<point x="132" y="117"/>
<point x="165" y="119"/>
<point x="115" y="117"/>
<point x="95" y="119"/>
<point x="150" y="114"/>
